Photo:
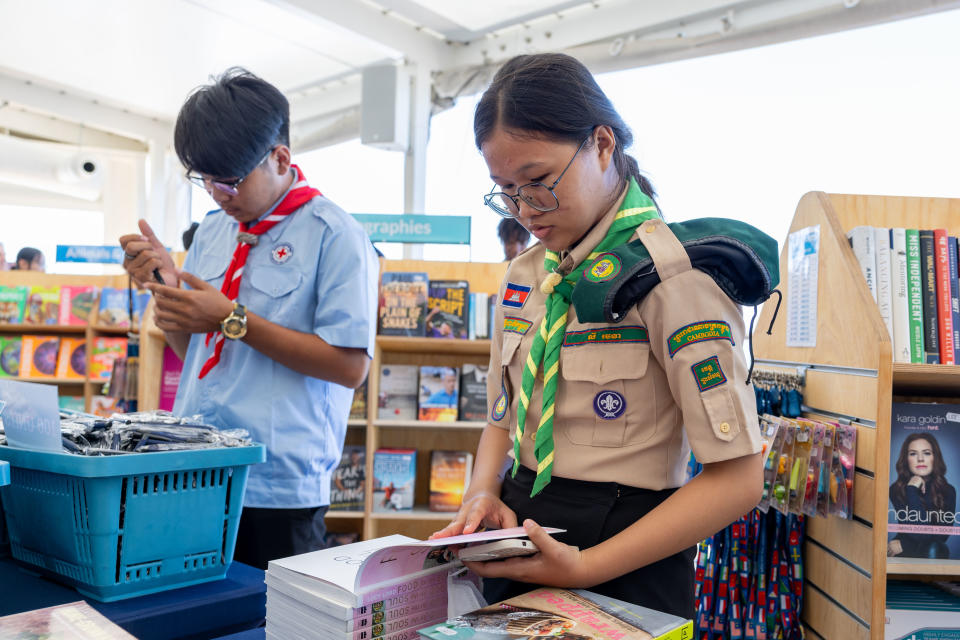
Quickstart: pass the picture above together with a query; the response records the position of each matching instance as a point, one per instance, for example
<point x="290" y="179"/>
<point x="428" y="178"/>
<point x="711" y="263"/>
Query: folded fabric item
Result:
<point x="741" y="259"/>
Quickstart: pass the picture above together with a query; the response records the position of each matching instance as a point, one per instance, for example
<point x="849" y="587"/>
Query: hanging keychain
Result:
<point x="803" y="442"/>
<point x="813" y="471"/>
<point x="784" y="465"/>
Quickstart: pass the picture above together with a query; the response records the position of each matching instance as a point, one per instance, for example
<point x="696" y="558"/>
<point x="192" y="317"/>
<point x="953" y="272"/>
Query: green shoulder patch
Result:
<point x="698" y="332"/>
<point x="708" y="373"/>
<point x="612" y="335"/>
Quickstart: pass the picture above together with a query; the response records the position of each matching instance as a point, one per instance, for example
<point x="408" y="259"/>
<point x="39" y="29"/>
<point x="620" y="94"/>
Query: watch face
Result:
<point x="232" y="326"/>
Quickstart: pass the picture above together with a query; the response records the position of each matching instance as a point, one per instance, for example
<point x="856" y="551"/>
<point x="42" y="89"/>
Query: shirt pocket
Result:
<point x="212" y="269"/>
<point x="722" y="413"/>
<point x="270" y="293"/>
<point x="606" y="398"/>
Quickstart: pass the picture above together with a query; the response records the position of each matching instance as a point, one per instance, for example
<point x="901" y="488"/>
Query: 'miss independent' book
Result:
<point x="565" y="615"/>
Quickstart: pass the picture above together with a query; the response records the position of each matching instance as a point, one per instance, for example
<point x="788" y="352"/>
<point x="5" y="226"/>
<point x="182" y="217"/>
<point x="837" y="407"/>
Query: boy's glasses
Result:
<point x="229" y="187"/>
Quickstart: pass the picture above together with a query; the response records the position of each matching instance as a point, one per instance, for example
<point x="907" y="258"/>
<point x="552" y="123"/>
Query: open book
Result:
<point x="364" y="572"/>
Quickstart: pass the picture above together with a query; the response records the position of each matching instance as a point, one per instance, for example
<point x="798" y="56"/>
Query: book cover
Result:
<point x="449" y="478"/>
<point x="447" y="309"/>
<point x="882" y="243"/>
<point x="76" y="302"/>
<point x="924" y="463"/>
<point x="403" y="303"/>
<point x="397" y="398"/>
<point x="72" y="403"/>
<point x="473" y="392"/>
<point x="358" y="408"/>
<point x="928" y="274"/>
<point x="394" y="479"/>
<point x="170" y="370"/>
<point x="72" y="358"/>
<point x="38" y="356"/>
<point x="573" y="614"/>
<point x="944" y="310"/>
<point x="43" y="306"/>
<point x="915" y="295"/>
<point x="346" y="484"/>
<point x="105" y="351"/>
<point x="13" y="304"/>
<point x="863" y="242"/>
<point x="439" y="394"/>
<point x="954" y="246"/>
<point x="71" y="621"/>
<point x="10" y="347"/>
<point x="104" y="406"/>
<point x="900" y="302"/>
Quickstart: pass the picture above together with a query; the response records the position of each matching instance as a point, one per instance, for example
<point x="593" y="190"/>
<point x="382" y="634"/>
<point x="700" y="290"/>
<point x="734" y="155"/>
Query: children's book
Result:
<point x="346" y="484"/>
<point x="403" y="304"/>
<point x="170" y="371"/>
<point x="76" y="302"/>
<point x="397" y="398"/>
<point x="447" y="305"/>
<point x="10" y="347"/>
<point x="38" y="356"/>
<point x="473" y="392"/>
<point x="13" y="304"/>
<point x="358" y="408"/>
<point x="394" y="479"/>
<point x="72" y="403"/>
<point x="115" y="307"/>
<point x="43" y="306"/>
<point x="72" y="359"/>
<point x="72" y="621"/>
<point x="104" y="406"/>
<point x="449" y="478"/>
<point x="574" y="614"/>
<point x="439" y="394"/>
<point x="105" y="351"/>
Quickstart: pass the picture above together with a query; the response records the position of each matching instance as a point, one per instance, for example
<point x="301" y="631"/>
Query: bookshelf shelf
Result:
<point x="429" y="424"/>
<point x="112" y="331"/>
<point x="921" y="567"/>
<point x="353" y="422"/>
<point x="399" y="344"/>
<point x="926" y="379"/>
<point x="343" y="514"/>
<point x="56" y="381"/>
<point x="27" y="329"/>
<point x="417" y="513"/>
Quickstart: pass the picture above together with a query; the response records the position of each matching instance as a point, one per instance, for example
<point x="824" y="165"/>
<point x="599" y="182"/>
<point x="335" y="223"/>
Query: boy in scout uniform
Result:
<point x="594" y="420"/>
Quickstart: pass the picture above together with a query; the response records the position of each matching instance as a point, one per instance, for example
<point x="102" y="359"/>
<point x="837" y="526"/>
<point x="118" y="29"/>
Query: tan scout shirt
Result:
<point x="666" y="413"/>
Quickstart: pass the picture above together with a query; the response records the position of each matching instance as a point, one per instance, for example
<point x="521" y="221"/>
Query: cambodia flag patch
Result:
<point x="515" y="296"/>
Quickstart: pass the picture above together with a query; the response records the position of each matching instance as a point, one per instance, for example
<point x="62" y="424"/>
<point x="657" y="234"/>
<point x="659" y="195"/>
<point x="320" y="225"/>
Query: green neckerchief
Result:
<point x="545" y="350"/>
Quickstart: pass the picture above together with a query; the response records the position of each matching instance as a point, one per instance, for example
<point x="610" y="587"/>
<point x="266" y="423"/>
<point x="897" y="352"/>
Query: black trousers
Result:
<point x="268" y="534"/>
<point x="592" y="512"/>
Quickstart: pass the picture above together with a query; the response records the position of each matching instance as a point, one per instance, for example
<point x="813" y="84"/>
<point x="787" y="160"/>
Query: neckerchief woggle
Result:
<point x="545" y="351"/>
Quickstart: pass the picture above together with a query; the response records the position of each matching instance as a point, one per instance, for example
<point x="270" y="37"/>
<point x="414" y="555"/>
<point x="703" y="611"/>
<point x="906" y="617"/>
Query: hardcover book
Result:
<point x="571" y="614"/>
<point x="72" y="359"/>
<point x="863" y="242"/>
<point x="346" y="484"/>
<point x="13" y="304"/>
<point x="449" y="478"/>
<point x="915" y="295"/>
<point x="38" y="356"/>
<point x="924" y="465"/>
<point x="10" y="347"/>
<point x="76" y="302"/>
<point x="473" y="392"/>
<point x="439" y="394"/>
<point x="358" y="408"/>
<point x="397" y="399"/>
<point x="394" y="479"/>
<point x="105" y="351"/>
<point x="43" y="306"/>
<point x="403" y="304"/>
<point x="447" y="302"/>
<point x="928" y="271"/>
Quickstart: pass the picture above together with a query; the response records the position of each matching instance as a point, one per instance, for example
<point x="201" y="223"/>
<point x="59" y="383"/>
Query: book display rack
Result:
<point x="850" y="375"/>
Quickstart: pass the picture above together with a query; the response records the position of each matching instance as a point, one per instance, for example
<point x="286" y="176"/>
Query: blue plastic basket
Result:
<point x="128" y="525"/>
<point x="4" y="540"/>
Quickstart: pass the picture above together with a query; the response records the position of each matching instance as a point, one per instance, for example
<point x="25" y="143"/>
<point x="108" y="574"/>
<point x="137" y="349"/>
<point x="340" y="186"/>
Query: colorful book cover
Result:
<point x="449" y="478"/>
<point x="13" y="304"/>
<point x="928" y="271"/>
<point x="38" y="356"/>
<point x="72" y="359"/>
<point x="10" y="347"/>
<point x="923" y="521"/>
<point x="170" y="371"/>
<point x="900" y="308"/>
<point x="346" y="484"/>
<point x="954" y="246"/>
<point x="944" y="312"/>
<point x="915" y="295"/>
<point x="104" y="406"/>
<point x="447" y="309"/>
<point x="397" y="399"/>
<point x="575" y="614"/>
<point x="72" y="621"/>
<point x="76" y="303"/>
<point x="105" y="351"/>
<point x="394" y="479"/>
<point x="473" y="392"/>
<point x="439" y="394"/>
<point x="72" y="403"/>
<point x="43" y="306"/>
<point x="403" y="304"/>
<point x="358" y="408"/>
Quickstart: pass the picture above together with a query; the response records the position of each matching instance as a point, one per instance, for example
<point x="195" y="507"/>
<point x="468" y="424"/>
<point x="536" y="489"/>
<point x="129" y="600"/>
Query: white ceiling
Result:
<point x="125" y="66"/>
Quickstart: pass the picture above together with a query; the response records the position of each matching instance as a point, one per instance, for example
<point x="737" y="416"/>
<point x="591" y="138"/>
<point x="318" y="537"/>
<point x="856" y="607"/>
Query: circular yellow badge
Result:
<point x="604" y="268"/>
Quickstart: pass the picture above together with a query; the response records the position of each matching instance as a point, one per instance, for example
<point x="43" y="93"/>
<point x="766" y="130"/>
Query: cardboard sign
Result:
<point x="31" y="415"/>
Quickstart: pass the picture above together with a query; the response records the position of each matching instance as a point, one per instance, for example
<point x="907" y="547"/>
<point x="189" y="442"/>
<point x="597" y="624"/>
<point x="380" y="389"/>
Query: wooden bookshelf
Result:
<point x="397" y="344"/>
<point x="850" y="375"/>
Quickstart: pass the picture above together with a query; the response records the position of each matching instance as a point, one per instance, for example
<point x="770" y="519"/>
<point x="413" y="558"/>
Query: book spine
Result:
<point x="944" y="312"/>
<point x="402" y="588"/>
<point x="862" y="241"/>
<point x="928" y="270"/>
<point x="915" y="295"/>
<point x="953" y="244"/>
<point x="367" y="631"/>
<point x="900" y="307"/>
<point x="424" y="597"/>
<point x="410" y="633"/>
<point x="882" y="248"/>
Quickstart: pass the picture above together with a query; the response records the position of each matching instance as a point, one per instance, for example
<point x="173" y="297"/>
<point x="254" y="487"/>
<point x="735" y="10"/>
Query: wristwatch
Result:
<point x="234" y="326"/>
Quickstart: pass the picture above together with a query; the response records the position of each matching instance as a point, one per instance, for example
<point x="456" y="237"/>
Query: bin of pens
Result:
<point x="126" y="525"/>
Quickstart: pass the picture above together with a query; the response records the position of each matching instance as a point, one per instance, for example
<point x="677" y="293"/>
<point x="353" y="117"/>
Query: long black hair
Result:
<point x="225" y="128"/>
<point x="554" y="96"/>
<point x="935" y="484"/>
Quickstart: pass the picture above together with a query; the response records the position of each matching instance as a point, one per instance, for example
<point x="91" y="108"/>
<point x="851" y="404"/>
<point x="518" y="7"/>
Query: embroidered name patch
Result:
<point x="282" y="252"/>
<point x="515" y="325"/>
<point x="500" y="406"/>
<point x="698" y="332"/>
<point x="606" y="336"/>
<point x="515" y="295"/>
<point x="708" y="373"/>
<point x="609" y="405"/>
<point x="605" y="267"/>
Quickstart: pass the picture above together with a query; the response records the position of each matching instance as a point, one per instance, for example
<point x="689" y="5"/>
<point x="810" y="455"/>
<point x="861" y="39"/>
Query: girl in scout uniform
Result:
<point x="591" y="423"/>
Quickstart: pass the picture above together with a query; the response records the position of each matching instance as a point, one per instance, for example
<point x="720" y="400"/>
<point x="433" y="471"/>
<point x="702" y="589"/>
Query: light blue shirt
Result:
<point x="315" y="272"/>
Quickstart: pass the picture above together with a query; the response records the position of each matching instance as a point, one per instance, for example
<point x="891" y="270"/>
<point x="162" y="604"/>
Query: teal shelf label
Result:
<point x="420" y="229"/>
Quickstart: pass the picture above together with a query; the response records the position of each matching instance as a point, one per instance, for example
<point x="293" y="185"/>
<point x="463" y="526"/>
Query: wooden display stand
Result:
<point x="850" y="375"/>
<point x="90" y="331"/>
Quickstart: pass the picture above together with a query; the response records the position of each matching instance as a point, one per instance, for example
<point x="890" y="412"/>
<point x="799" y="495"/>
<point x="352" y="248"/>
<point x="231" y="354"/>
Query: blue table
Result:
<point x="199" y="612"/>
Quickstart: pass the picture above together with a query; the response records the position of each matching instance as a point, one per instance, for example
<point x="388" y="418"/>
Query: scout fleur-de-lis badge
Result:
<point x="609" y="405"/>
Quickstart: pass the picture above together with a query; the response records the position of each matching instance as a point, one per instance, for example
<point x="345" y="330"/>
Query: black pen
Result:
<point x="156" y="274"/>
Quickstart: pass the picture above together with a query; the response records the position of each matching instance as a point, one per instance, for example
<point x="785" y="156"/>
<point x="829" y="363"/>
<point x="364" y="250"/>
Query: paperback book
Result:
<point x="115" y="307"/>
<point x="105" y="351"/>
<point x="72" y="359"/>
<point x="473" y="392"/>
<point x="76" y="302"/>
<point x="10" y="347"/>
<point x="394" y="479"/>
<point x="43" y="306"/>
<point x="38" y="356"/>
<point x="72" y="621"/>
<point x="403" y="304"/>
<point x="13" y="304"/>
<point x="397" y="398"/>
<point x="358" y="408"/>
<point x="346" y="484"/>
<point x="439" y="394"/>
<point x="447" y="304"/>
<point x="449" y="477"/>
